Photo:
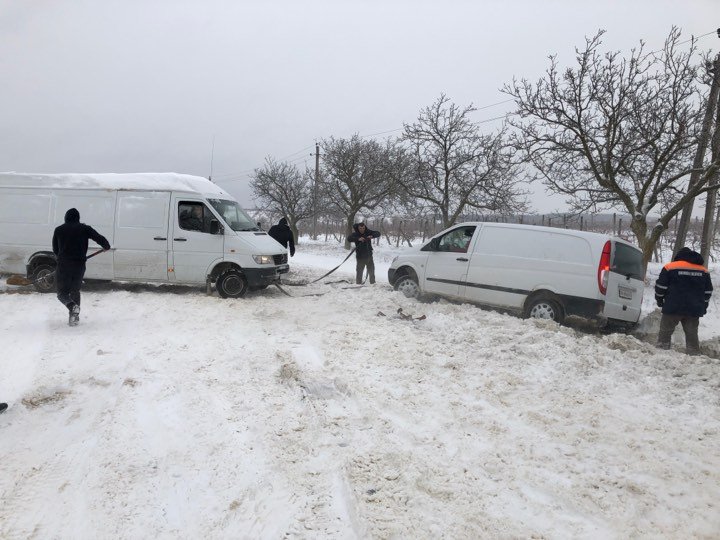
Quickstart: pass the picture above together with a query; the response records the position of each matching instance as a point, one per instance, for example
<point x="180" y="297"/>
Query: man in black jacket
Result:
<point x="683" y="292"/>
<point x="70" y="245"/>
<point x="282" y="234"/>
<point x="363" y="237"/>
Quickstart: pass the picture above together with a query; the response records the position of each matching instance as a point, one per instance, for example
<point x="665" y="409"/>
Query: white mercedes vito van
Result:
<point x="540" y="272"/>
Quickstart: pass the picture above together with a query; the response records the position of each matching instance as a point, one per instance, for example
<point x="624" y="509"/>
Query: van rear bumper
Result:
<point x="259" y="277"/>
<point x="600" y="310"/>
<point x="626" y="313"/>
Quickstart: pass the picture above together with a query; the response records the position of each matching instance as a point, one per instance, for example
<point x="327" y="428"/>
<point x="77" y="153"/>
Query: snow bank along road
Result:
<point x="169" y="415"/>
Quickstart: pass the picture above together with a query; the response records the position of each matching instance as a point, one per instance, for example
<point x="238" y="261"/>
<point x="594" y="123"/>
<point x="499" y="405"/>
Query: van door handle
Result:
<point x="180" y="239"/>
<point x="462" y="259"/>
<point x="160" y="238"/>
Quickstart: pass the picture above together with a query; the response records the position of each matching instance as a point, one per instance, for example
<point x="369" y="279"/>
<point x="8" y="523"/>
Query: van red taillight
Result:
<point x="604" y="268"/>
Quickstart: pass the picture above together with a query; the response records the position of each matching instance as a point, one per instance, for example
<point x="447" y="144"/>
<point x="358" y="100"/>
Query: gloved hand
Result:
<point x="660" y="303"/>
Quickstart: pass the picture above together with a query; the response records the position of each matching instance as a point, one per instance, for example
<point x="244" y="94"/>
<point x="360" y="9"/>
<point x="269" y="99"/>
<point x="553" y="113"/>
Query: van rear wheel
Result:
<point x="43" y="277"/>
<point x="408" y="286"/>
<point x="542" y="307"/>
<point x="231" y="284"/>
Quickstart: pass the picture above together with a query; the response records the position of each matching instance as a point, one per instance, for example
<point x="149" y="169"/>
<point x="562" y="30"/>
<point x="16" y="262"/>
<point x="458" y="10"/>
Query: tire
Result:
<point x="408" y="286"/>
<point x="542" y="307"/>
<point x="231" y="284"/>
<point x="45" y="273"/>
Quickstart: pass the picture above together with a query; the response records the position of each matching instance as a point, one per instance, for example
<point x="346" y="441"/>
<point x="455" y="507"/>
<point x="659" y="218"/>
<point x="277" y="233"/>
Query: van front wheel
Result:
<point x="231" y="284"/>
<point x="408" y="286"/>
<point x="544" y="308"/>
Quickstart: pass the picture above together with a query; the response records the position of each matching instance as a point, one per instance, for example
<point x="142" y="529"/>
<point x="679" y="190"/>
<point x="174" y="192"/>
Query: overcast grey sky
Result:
<point x="145" y="86"/>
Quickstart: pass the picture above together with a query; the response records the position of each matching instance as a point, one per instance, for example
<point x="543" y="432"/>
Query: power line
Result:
<point x="697" y="38"/>
<point x="295" y="153"/>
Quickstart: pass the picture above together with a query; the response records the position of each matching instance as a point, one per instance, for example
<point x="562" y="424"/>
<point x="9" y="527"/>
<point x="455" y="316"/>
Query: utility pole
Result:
<point x="699" y="154"/>
<point x="315" y="190"/>
<point x="708" y="232"/>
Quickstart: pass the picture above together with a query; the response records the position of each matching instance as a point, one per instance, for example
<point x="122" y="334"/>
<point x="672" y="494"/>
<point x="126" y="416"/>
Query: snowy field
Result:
<point x="172" y="414"/>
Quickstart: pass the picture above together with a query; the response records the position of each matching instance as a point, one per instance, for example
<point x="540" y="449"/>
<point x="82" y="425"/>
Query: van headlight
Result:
<point x="263" y="259"/>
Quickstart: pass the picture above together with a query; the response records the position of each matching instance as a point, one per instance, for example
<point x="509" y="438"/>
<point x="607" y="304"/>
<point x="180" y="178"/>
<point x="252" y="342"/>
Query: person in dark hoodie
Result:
<point x="683" y="292"/>
<point x="282" y="234"/>
<point x="363" y="237"/>
<point x="70" y="245"/>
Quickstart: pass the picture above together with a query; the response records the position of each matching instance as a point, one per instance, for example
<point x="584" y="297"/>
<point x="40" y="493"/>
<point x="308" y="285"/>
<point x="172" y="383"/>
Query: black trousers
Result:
<point x="68" y="277"/>
<point x="360" y="269"/>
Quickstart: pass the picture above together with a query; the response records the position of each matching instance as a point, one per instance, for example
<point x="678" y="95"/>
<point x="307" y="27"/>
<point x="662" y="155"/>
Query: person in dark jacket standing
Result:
<point x="363" y="237"/>
<point x="683" y="292"/>
<point x="282" y="234"/>
<point x="70" y="245"/>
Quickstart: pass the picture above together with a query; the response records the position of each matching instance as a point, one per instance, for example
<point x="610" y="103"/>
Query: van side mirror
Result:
<point x="215" y="227"/>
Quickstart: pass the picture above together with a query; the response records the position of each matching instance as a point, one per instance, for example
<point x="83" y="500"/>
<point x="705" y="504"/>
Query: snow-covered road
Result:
<point x="171" y="414"/>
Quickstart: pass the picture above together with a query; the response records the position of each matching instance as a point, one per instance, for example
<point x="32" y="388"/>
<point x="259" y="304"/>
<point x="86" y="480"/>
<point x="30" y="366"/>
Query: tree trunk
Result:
<point x="349" y="228"/>
<point x="645" y="243"/>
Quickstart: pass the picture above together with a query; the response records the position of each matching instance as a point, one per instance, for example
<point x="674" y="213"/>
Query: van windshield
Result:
<point x="627" y="261"/>
<point x="234" y="216"/>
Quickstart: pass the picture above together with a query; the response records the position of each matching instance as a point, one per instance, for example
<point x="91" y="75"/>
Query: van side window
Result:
<point x="194" y="216"/>
<point x="457" y="240"/>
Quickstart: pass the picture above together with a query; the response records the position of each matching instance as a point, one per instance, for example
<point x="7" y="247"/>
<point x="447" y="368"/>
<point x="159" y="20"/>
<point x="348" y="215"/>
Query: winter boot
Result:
<point x="74" y="318"/>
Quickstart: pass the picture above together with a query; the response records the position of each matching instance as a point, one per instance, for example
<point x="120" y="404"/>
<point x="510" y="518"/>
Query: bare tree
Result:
<point x="617" y="132"/>
<point x="284" y="190"/>
<point x="455" y="168"/>
<point x="359" y="175"/>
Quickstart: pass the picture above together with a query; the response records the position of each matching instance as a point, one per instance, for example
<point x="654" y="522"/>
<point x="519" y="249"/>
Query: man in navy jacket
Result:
<point x="683" y="292"/>
<point x="283" y="235"/>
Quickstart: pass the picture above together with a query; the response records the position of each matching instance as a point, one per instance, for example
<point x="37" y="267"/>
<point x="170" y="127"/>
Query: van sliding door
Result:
<point x="141" y="235"/>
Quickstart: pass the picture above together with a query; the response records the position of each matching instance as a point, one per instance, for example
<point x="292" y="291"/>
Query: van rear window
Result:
<point x="627" y="261"/>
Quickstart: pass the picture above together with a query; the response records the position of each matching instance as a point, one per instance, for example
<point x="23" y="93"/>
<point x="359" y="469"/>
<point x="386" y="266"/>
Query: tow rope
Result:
<point x="314" y="280"/>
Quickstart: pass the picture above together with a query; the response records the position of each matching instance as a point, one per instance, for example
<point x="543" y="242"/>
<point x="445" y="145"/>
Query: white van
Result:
<point x="540" y="272"/>
<point x="164" y="228"/>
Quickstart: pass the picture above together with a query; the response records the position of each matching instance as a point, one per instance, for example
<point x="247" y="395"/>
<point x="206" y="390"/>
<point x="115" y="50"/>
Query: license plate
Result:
<point x="625" y="292"/>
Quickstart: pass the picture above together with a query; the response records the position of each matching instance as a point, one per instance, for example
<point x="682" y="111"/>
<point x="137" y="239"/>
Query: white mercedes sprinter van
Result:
<point x="165" y="228"/>
<point x="540" y="272"/>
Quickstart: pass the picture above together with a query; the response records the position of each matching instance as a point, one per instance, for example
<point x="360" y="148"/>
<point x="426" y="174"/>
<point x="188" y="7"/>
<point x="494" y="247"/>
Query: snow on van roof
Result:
<point x="120" y="181"/>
